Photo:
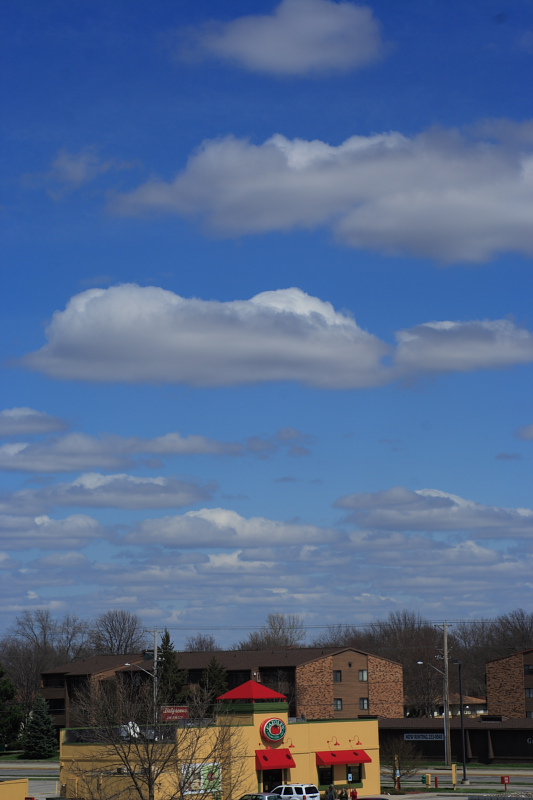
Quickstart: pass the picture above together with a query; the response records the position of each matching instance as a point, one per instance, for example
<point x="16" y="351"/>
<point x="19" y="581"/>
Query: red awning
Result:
<point x="329" y="757"/>
<point x="274" y="759"/>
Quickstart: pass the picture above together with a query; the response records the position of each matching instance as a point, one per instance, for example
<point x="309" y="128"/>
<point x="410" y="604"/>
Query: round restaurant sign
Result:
<point x="273" y="729"/>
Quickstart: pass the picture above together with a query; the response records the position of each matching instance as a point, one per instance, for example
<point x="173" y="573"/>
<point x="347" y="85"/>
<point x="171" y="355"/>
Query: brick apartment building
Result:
<point x="319" y="683"/>
<point x="510" y="685"/>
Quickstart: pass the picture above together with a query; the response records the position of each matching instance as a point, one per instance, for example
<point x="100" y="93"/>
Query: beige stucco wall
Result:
<point x="304" y="740"/>
<point x="14" y="789"/>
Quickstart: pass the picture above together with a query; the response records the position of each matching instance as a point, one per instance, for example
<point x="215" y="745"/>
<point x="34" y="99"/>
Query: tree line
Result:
<point x="37" y="641"/>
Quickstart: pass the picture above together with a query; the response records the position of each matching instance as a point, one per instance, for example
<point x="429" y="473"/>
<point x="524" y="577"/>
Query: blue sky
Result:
<point x="267" y="332"/>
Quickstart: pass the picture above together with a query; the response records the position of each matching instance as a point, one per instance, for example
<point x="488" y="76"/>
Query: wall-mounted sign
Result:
<point x="172" y="713"/>
<point x="423" y="737"/>
<point x="273" y="729"/>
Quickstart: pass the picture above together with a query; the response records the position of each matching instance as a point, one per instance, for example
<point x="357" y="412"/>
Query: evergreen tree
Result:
<point x="11" y="713"/>
<point x="214" y="682"/>
<point x="39" y="736"/>
<point x="172" y="682"/>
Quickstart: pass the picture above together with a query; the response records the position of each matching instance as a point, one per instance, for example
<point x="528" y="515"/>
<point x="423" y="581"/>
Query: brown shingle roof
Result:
<point x="96" y="664"/>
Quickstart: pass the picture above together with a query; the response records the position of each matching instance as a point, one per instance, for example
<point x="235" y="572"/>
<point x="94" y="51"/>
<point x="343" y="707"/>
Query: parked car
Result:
<point x="297" y="791"/>
<point x="261" y="796"/>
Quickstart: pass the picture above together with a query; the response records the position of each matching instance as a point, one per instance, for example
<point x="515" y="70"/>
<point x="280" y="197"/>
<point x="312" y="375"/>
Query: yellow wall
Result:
<point x="304" y="740"/>
<point x="14" y="789"/>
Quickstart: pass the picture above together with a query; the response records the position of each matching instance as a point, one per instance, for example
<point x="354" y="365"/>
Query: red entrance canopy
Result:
<point x="274" y="759"/>
<point x="329" y="757"/>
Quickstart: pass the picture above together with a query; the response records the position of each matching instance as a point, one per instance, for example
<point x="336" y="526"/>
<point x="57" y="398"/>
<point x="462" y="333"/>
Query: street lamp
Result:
<point x="446" y="699"/>
<point x="153" y="675"/>
<point x="463" y="738"/>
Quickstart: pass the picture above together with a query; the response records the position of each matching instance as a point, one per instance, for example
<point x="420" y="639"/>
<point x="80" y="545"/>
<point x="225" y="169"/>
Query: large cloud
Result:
<point x="442" y="194"/>
<point x="298" y="38"/>
<point x="401" y="509"/>
<point x="220" y="527"/>
<point x="129" y="333"/>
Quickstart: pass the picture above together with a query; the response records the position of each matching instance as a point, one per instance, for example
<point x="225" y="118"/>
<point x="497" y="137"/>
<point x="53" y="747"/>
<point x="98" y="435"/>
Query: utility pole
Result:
<point x="446" y="696"/>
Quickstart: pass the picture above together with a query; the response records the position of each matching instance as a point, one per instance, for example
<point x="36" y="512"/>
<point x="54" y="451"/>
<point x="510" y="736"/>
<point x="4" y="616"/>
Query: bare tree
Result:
<point x="201" y="643"/>
<point x="514" y="631"/>
<point x="344" y="636"/>
<point x="117" y="632"/>
<point x="279" y="630"/>
<point x="37" y="642"/>
<point x="399" y="759"/>
<point x="135" y="755"/>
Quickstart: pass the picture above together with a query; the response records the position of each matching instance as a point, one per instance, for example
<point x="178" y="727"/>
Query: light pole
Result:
<point x="465" y="780"/>
<point x="153" y="675"/>
<point x="446" y="702"/>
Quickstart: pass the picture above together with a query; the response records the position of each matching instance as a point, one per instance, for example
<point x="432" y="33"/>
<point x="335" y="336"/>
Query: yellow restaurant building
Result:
<point x="271" y="750"/>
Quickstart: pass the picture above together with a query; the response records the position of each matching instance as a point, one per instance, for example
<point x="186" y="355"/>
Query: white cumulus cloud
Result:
<point x="300" y="37"/>
<point x="134" y="334"/>
<point x="129" y="333"/>
<point x="443" y="194"/>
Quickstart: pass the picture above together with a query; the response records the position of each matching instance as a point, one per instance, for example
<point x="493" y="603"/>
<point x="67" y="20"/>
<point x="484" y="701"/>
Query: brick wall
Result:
<point x="505" y="686"/>
<point x="314" y="689"/>
<point x="385" y="688"/>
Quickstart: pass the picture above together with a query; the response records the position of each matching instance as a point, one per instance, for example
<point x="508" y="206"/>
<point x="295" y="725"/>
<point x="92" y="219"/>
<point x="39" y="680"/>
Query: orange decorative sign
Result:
<point x="273" y="729"/>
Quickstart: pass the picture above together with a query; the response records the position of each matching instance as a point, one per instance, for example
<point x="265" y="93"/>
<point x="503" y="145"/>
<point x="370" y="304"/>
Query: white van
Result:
<point x="297" y="791"/>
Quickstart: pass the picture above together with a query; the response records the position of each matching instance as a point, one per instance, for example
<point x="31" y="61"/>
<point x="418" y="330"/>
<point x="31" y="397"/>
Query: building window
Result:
<point x="337" y="704"/>
<point x="353" y="773"/>
<point x="529" y="692"/>
<point x="363" y="703"/>
<point x="529" y="714"/>
<point x="363" y="675"/>
<point x="528" y="669"/>
<point x="325" y="776"/>
<point x="337" y="676"/>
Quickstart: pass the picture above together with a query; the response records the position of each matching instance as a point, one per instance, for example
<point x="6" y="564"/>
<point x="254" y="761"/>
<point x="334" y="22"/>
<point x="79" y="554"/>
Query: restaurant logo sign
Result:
<point x="273" y="729"/>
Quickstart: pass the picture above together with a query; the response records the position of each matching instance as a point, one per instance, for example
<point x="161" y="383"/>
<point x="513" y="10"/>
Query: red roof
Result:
<point x="251" y="690"/>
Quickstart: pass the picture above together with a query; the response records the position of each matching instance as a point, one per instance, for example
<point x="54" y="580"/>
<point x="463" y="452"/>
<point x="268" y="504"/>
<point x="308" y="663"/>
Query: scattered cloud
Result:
<point x="71" y="171"/>
<point x="219" y="527"/>
<point x="300" y="37"/>
<point x="444" y="194"/>
<point x="93" y="490"/>
<point x="78" y="451"/>
<point x="401" y="509"/>
<point x="74" y="532"/>
<point x="508" y="457"/>
<point x="129" y="333"/>
<point x="463" y="346"/>
<point x="28" y="421"/>
<point x="526" y="432"/>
